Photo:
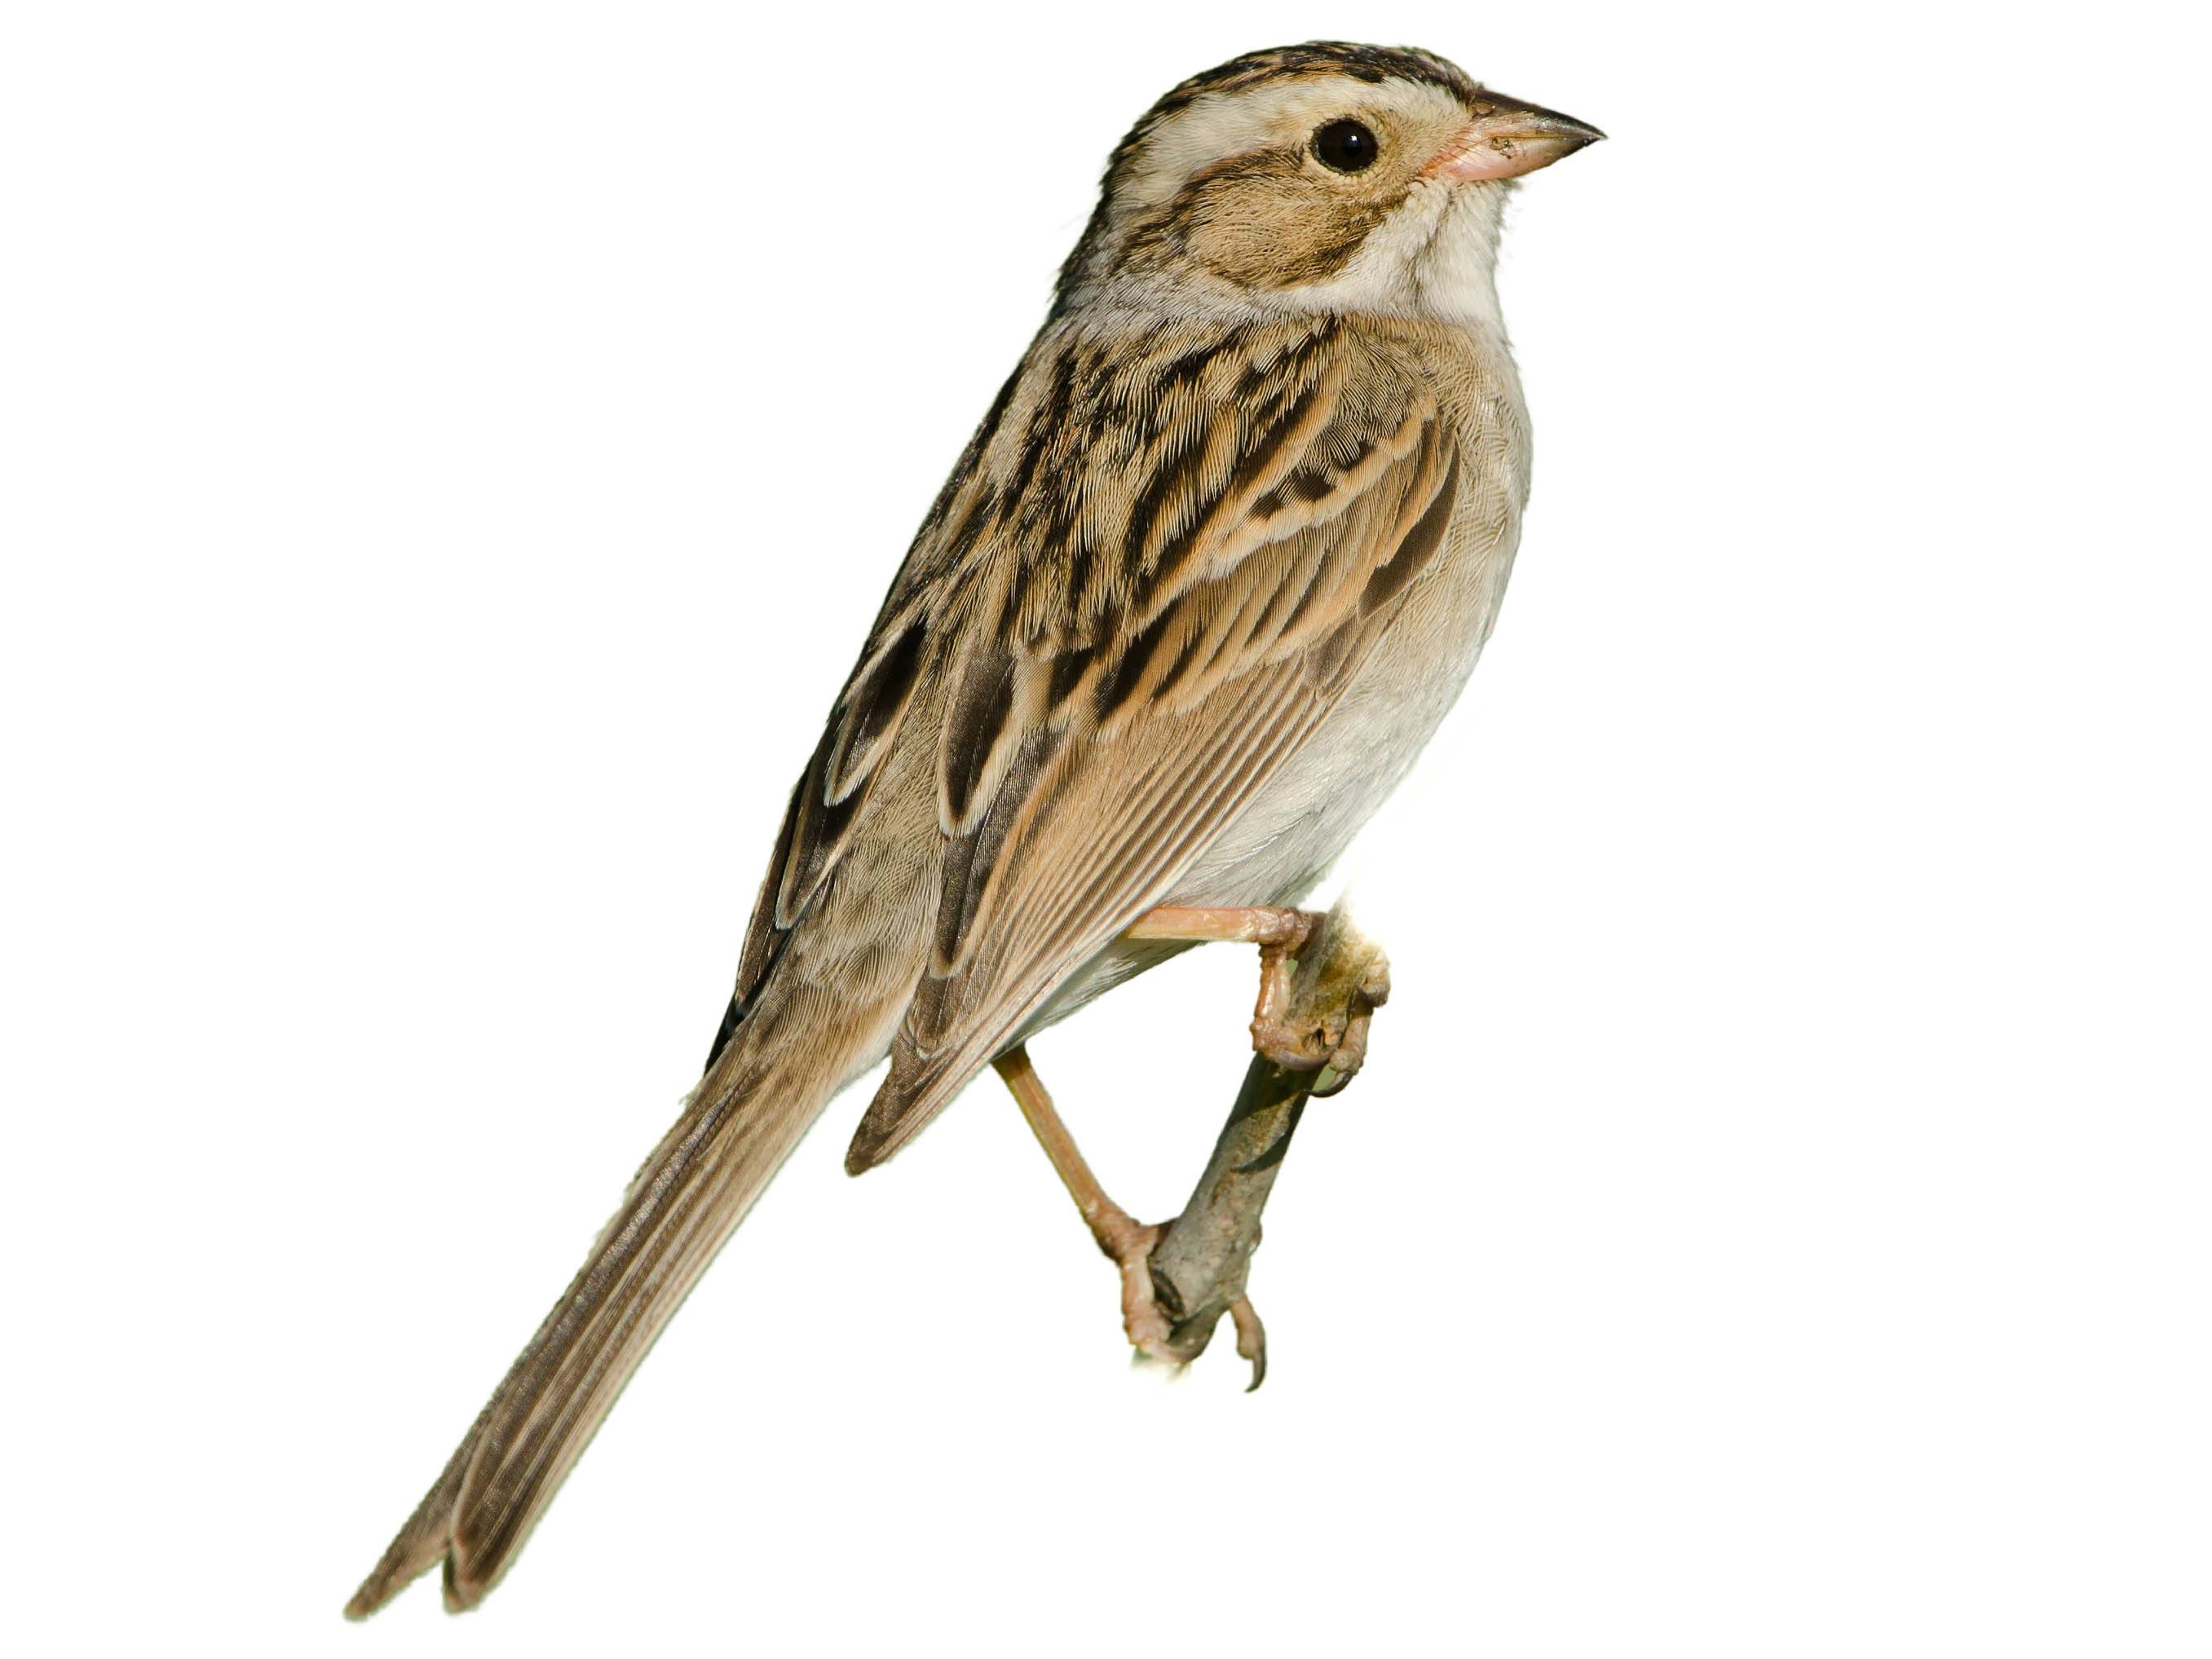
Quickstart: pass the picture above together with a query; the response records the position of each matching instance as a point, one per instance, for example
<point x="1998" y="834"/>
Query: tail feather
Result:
<point x="753" y="1107"/>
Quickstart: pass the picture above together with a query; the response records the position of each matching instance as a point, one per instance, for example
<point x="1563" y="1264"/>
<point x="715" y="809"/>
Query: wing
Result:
<point x="1156" y="572"/>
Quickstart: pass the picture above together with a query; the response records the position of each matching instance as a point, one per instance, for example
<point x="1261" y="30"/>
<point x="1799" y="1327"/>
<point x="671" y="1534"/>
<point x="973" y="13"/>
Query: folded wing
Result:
<point x="1154" y="575"/>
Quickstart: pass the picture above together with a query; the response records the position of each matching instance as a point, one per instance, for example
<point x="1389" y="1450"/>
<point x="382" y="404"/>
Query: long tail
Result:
<point x="768" y="1084"/>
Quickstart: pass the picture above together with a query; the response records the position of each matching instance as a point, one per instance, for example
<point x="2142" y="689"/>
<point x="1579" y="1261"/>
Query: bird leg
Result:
<point x="1179" y="1277"/>
<point x="1334" y="1042"/>
<point x="1172" y="1332"/>
<point x="1127" y="1241"/>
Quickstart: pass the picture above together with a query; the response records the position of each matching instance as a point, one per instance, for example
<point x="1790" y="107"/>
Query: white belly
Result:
<point x="1304" y="817"/>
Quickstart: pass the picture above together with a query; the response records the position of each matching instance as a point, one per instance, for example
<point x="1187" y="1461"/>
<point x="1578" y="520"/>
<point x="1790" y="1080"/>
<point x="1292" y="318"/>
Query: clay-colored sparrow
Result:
<point x="1217" y="560"/>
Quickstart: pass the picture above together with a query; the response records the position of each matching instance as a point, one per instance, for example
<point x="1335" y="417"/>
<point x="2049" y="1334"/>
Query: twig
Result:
<point x="1199" y="1264"/>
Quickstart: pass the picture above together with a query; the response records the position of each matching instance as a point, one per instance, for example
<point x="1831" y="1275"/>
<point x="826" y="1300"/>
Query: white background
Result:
<point x="451" y="452"/>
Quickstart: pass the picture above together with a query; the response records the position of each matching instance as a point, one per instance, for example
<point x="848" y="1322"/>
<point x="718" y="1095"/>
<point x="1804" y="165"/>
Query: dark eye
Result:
<point x="1346" y="146"/>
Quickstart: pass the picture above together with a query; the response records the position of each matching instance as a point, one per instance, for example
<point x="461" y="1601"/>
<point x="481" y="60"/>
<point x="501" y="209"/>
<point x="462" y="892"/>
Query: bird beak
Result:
<point x="1508" y="138"/>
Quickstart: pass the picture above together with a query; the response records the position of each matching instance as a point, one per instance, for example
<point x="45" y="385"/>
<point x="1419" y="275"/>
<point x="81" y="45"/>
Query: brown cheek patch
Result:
<point x="1259" y="221"/>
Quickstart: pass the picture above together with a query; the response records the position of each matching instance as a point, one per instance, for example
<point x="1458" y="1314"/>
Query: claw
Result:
<point x="1251" y="1340"/>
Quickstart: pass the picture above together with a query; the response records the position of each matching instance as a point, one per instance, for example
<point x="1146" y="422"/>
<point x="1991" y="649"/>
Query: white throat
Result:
<point x="1436" y="259"/>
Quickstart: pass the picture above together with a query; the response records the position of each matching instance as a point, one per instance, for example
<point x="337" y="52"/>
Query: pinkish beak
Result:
<point x="1508" y="138"/>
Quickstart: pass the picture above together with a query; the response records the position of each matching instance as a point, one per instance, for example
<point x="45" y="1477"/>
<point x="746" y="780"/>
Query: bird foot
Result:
<point x="1128" y="1244"/>
<point x="1334" y="1041"/>
<point x="1151" y="1314"/>
<point x="1150" y="1318"/>
<point x="1329" y="1035"/>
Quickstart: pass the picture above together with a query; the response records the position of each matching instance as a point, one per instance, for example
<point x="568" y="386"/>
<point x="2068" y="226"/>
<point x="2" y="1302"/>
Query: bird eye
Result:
<point x="1346" y="146"/>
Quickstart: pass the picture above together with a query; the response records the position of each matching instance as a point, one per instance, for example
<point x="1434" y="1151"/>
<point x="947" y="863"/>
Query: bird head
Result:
<point x="1323" y="176"/>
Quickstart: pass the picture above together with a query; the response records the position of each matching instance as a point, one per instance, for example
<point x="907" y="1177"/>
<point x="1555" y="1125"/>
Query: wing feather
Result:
<point x="1144" y="586"/>
<point x="1250" y="580"/>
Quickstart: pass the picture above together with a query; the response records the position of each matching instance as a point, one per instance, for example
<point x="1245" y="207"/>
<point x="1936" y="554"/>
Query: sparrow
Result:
<point x="1222" y="553"/>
